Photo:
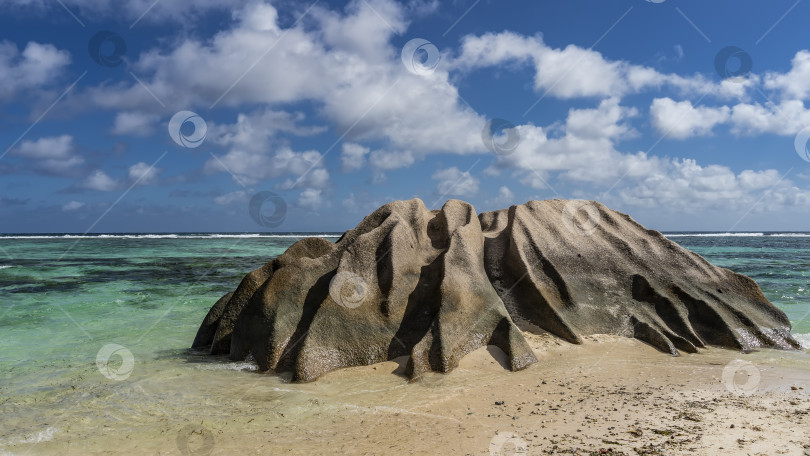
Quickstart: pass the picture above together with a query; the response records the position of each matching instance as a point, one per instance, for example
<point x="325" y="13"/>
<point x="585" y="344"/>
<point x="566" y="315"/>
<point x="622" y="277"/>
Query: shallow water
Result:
<point x="63" y="299"/>
<point x="779" y="262"/>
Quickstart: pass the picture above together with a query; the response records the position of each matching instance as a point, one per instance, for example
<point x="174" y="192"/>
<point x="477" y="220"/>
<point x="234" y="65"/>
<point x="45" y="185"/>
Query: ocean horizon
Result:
<point x="147" y="270"/>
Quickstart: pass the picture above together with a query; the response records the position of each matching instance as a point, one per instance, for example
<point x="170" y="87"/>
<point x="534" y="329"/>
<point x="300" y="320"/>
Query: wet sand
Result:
<point x="608" y="396"/>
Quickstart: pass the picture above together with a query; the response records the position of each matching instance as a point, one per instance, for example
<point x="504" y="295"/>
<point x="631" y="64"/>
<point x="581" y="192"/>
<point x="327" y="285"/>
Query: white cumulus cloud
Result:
<point x="72" y="206"/>
<point x="37" y="65"/>
<point x="681" y="120"/>
<point x="796" y="82"/>
<point x="143" y="173"/>
<point x="239" y="196"/>
<point x="311" y="199"/>
<point x="55" y="155"/>
<point x="504" y="198"/>
<point x="100" y="181"/>
<point x="453" y="181"/>
<point x="250" y="167"/>
<point x="573" y="71"/>
<point x="353" y="156"/>
<point x="134" y="123"/>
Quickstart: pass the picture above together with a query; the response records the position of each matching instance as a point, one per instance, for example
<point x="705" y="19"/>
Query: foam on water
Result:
<point x="803" y="339"/>
<point x="4" y="266"/>
<point x="236" y="366"/>
<point x="38" y="437"/>
<point x="736" y="234"/>
<point x="714" y="234"/>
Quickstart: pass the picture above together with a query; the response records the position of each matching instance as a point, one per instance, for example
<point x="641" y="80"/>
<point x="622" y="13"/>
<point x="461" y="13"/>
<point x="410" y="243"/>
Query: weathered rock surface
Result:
<point x="436" y="285"/>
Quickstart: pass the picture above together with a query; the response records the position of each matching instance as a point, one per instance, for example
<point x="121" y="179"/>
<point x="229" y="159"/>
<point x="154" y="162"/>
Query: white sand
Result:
<point x="609" y="393"/>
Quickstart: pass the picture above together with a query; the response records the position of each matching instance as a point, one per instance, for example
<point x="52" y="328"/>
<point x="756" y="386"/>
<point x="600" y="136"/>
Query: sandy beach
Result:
<point x="610" y="395"/>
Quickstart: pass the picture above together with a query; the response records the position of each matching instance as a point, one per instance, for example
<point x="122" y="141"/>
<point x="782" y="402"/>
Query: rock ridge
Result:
<point x="435" y="285"/>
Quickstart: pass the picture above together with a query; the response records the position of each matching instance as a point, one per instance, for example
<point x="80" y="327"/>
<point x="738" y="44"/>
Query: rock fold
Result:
<point x="436" y="285"/>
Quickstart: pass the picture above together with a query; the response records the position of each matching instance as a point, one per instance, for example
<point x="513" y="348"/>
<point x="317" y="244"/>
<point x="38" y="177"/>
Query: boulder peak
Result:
<point x="435" y="285"/>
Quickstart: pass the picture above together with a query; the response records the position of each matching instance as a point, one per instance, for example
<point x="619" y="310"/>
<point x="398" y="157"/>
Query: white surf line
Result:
<point x="764" y="194"/>
<point x="111" y="207"/>
<point x="803" y="339"/>
<point x="188" y="289"/>
<point x="714" y="234"/>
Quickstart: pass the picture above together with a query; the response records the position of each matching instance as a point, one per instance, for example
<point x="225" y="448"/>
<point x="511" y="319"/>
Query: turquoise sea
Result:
<point x="137" y="299"/>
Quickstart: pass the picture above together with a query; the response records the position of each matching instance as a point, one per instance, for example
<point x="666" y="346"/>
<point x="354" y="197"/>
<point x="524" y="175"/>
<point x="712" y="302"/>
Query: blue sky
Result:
<point x="317" y="106"/>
